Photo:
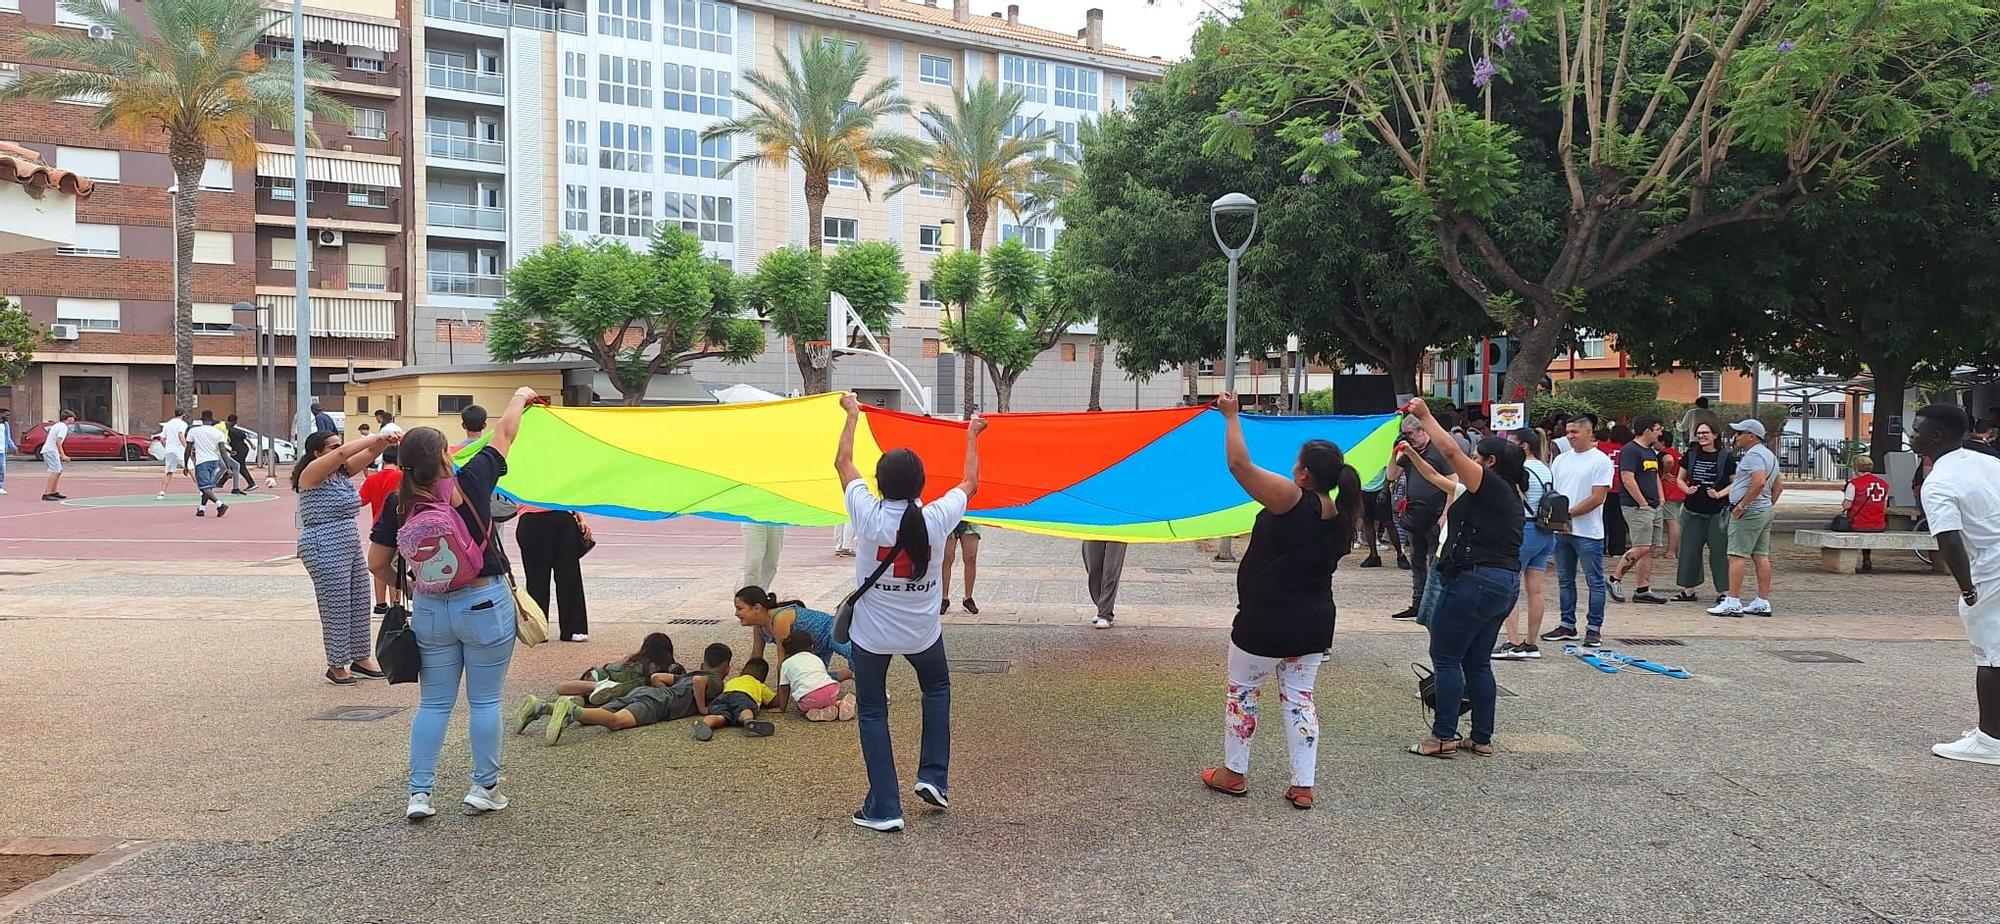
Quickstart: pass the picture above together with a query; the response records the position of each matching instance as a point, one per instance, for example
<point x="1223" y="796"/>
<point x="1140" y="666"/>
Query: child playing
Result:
<point x="741" y="697"/>
<point x="663" y="698"/>
<point x="803" y="679"/>
<point x="617" y="678"/>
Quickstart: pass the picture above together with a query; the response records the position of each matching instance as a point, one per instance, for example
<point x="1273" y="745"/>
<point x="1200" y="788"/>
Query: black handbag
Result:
<point x="1427" y="691"/>
<point x="396" y="647"/>
<point x="843" y="616"/>
<point x="1840" y="524"/>
<point x="583" y="543"/>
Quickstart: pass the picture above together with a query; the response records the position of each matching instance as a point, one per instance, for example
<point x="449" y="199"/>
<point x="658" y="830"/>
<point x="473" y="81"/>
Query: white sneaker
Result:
<point x="931" y="794"/>
<point x="1100" y="623"/>
<point x="3" y="492"/>
<point x="420" y="807"/>
<point x="1727" y="606"/>
<point x="160" y="496"/>
<point x="1977" y="747"/>
<point x="482" y="799"/>
<point x="885" y="824"/>
<point x="1758" y="607"/>
<point x="580" y="637"/>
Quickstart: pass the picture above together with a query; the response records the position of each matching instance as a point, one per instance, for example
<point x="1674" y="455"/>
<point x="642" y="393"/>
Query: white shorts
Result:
<point x="53" y="460"/>
<point x="173" y="461"/>
<point x="1982" y="624"/>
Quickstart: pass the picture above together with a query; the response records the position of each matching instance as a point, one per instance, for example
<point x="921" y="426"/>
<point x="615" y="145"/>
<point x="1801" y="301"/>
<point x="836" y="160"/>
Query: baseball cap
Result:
<point x="1752" y="427"/>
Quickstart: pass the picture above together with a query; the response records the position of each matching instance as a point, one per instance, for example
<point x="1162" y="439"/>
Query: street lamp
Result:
<point x="1238" y="205"/>
<point x="267" y="374"/>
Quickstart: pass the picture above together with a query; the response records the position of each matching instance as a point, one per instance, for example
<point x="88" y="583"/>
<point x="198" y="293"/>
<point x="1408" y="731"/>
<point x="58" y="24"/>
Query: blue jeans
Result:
<point x="871" y="702"/>
<point x="1569" y="550"/>
<point x="469" y="631"/>
<point x="1470" y="610"/>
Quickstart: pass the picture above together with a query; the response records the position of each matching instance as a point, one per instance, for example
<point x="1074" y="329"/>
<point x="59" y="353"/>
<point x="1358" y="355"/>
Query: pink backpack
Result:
<point x="441" y="553"/>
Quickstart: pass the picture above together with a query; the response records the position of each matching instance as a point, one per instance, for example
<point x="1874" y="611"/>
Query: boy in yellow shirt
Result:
<point x="741" y="697"/>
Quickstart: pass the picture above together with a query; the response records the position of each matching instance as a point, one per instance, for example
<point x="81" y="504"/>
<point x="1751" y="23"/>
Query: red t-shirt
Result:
<point x="376" y="490"/>
<point x="1670" y="487"/>
<point x="1870" y="511"/>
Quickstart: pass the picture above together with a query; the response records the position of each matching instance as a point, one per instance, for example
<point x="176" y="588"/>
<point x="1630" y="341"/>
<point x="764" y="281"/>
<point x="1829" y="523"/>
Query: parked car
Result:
<point x="90" y="440"/>
<point x="285" y="450"/>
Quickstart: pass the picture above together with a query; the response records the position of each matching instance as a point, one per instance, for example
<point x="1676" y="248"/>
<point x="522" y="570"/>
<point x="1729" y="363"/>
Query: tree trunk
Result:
<point x="188" y="157"/>
<point x="811" y="381"/>
<point x="1537" y="348"/>
<point x="1003" y="388"/>
<point x="1096" y="376"/>
<point x="1403" y="373"/>
<point x="1891" y="381"/>
<point x="1285" y="382"/>
<point x="976" y="215"/>
<point x="816" y="189"/>
<point x="969" y="372"/>
<point x="628" y="397"/>
<point x="1187" y="377"/>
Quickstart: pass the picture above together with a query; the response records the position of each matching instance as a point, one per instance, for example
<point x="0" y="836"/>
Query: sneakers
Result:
<point x="1592" y="640"/>
<point x="420" y="806"/>
<point x="1100" y="623"/>
<point x="1727" y="606"/>
<point x="1403" y="561"/>
<point x="1410" y="613"/>
<point x="526" y="713"/>
<point x="1616" y="588"/>
<point x="885" y="824"/>
<point x="1977" y="747"/>
<point x="381" y="609"/>
<point x="202" y="512"/>
<point x="579" y="637"/>
<point x="1757" y="607"/>
<point x="221" y="509"/>
<point x="1507" y="651"/>
<point x="561" y="713"/>
<point x="51" y="497"/>
<point x="160" y="496"/>
<point x="932" y="794"/>
<point x="847" y="708"/>
<point x="1559" y="634"/>
<point x="481" y="800"/>
<point x="702" y="732"/>
<point x="1527" y="653"/>
<point x="1372" y="561"/>
<point x="608" y="690"/>
<point x="1646" y="595"/>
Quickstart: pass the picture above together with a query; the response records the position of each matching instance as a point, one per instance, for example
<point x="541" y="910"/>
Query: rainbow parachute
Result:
<point x="1133" y="476"/>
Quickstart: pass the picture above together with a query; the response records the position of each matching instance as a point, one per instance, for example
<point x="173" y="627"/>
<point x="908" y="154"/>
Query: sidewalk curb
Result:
<point x="102" y="862"/>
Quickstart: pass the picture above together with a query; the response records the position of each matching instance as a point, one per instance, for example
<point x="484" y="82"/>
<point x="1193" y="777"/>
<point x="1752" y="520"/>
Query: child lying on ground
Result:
<point x="664" y="698"/>
<point x="741" y="697"/>
<point x="803" y="679"/>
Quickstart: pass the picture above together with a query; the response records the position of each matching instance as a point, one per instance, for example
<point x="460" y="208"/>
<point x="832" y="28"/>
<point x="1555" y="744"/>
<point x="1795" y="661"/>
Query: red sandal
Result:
<point x="1241" y="789"/>
<point x="1301" y="797"/>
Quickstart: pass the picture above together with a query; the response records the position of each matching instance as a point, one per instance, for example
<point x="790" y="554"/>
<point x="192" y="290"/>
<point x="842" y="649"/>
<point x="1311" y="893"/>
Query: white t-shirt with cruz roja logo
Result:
<point x="899" y="614"/>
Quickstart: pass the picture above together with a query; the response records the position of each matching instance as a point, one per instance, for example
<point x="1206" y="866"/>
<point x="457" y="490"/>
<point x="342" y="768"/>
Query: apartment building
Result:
<point x="107" y="298"/>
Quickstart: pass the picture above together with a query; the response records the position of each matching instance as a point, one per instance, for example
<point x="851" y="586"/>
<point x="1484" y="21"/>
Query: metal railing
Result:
<point x="447" y="77"/>
<point x="462" y="147"/>
<point x="448" y="283"/>
<point x="502" y="15"/>
<point x="456" y="215"/>
<point x="367" y="277"/>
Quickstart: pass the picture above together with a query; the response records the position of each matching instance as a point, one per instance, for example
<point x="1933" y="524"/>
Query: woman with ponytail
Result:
<point x="899" y="544"/>
<point x="330" y="547"/>
<point x="1284" y="599"/>
<point x="1481" y="570"/>
<point x="771" y="621"/>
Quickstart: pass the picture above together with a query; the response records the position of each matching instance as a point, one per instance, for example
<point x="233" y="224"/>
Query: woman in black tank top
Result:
<point x="1284" y="599"/>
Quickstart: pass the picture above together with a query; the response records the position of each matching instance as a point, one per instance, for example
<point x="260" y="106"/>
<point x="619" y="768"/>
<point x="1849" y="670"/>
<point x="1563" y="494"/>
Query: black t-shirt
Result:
<point x="476" y="479"/>
<point x="1425" y="500"/>
<point x="1488" y="522"/>
<point x="1707" y="470"/>
<point x="239" y="442"/>
<point x="1284" y="584"/>
<point x="1644" y="464"/>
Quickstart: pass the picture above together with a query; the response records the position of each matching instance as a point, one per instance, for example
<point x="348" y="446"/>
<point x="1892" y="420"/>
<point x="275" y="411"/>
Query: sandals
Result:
<point x="1686" y="596"/>
<point x="970" y="606"/>
<point x="1301" y="797"/>
<point x="1241" y="789"/>
<point x="1432" y="747"/>
<point x="1480" y="750"/>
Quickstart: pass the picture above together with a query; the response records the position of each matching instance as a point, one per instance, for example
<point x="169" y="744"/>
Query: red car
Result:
<point x="90" y="441"/>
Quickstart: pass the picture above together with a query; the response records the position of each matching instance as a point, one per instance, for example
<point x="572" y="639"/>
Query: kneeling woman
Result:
<point x="1284" y="599"/>
<point x="771" y="621"/>
<point x="1481" y="570"/>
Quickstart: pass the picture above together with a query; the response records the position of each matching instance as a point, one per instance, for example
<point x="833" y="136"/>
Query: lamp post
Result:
<point x="265" y="375"/>
<point x="302" y="423"/>
<point x="1238" y="205"/>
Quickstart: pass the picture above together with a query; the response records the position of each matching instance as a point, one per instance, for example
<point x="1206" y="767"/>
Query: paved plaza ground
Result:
<point x="161" y="691"/>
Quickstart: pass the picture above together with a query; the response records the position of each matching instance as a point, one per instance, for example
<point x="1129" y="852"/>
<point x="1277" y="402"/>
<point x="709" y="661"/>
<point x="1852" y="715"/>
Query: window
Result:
<point x="625" y="147"/>
<point x="368" y="266"/>
<point x="843" y="178"/>
<point x="1589" y="347"/>
<point x="927" y="296"/>
<point x="364" y="63"/>
<point x="213" y="319"/>
<point x="367" y="197"/>
<point x="934" y="70"/>
<point x="627" y="18"/>
<point x="576" y="138"/>
<point x="1025" y="127"/>
<point x="1068" y="352"/>
<point x="930" y="239"/>
<point x="281" y="188"/>
<point x="1034" y="237"/>
<point x="97" y="164"/>
<point x="1065" y="143"/>
<point x="932" y="185"/>
<point x="218" y="175"/>
<point x="576" y="208"/>
<point x="576" y="74"/>
<point x="1027" y="75"/>
<point x="930" y="347"/>
<point x="696" y="24"/>
<point x="1711" y="383"/>
<point x="711" y="218"/>
<point x="688" y="155"/>
<point x="370" y="123"/>
<point x="627" y="212"/>
<point x="452" y="404"/>
<point x="88" y="313"/>
<point x="9" y="71"/>
<point x="1076" y="87"/>
<point x="624" y="81"/>
<point x="284" y="254"/>
<point x="92" y="241"/>
<point x="66" y="18"/>
<point x="703" y="90"/>
<point x="217" y="247"/>
<point x="839" y="230"/>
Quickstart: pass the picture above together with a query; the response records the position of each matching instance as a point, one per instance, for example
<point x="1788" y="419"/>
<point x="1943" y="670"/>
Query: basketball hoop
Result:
<point x="819" y="353"/>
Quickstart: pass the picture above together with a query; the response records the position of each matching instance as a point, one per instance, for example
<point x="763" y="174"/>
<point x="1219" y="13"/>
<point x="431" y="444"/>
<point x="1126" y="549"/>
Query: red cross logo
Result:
<point x="904" y="567"/>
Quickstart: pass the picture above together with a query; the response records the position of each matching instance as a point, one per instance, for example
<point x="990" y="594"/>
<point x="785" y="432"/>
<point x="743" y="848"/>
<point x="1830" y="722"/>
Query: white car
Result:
<point x="285" y="450"/>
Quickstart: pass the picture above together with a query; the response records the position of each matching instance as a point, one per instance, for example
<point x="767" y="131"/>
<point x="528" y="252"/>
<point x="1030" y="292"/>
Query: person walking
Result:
<point x="1640" y="500"/>
<point x="1537" y="547"/>
<point x="467" y="631"/>
<point x="1480" y="570"/>
<point x="1423" y="504"/>
<point x="1704" y="475"/>
<point x="237" y="457"/>
<point x="1103" y="562"/>
<point x="7" y="445"/>
<point x="1284" y="599"/>
<point x="552" y="547"/>
<point x="1753" y="497"/>
<point x="54" y="455"/>
<point x="172" y="440"/>
<point x="206" y="447"/>
<point x="1583" y="475"/>
<point x="1962" y="508"/>
<point x="330" y="547"/>
<point x="322" y="421"/>
<point x="902" y="538"/>
<point x="763" y="546"/>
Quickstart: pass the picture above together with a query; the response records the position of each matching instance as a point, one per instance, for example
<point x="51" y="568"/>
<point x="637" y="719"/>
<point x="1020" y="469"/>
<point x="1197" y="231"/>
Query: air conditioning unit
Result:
<point x="331" y="239"/>
<point x="101" y="33"/>
<point x="63" y="331"/>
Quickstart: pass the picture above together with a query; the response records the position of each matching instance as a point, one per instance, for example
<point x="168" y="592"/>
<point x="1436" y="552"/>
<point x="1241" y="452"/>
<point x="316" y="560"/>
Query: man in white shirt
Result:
<point x="53" y="455"/>
<point x="1584" y="476"/>
<point x="206" y="445"/>
<point x="1961" y="500"/>
<point x="172" y="440"/>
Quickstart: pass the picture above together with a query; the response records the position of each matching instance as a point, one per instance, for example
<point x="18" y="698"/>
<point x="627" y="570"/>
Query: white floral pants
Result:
<point x="1248" y="675"/>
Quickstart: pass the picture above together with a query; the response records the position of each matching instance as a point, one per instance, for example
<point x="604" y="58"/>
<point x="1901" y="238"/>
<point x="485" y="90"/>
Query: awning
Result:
<point x="354" y="318"/>
<point x="322" y="28"/>
<point x="671" y="388"/>
<point x="327" y="169"/>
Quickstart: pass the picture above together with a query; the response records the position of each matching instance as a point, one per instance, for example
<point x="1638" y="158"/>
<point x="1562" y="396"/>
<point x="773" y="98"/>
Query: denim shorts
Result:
<point x="730" y="706"/>
<point x="1536" y="547"/>
<point x="205" y="476"/>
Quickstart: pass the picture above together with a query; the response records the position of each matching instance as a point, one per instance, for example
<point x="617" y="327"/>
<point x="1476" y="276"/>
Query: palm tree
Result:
<point x="809" y="114"/>
<point x="198" y="79"/>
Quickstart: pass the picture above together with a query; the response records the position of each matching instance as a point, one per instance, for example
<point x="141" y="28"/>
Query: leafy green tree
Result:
<point x="194" y="75"/>
<point x="636" y="315"/>
<point x="956" y="281"/>
<point x="19" y="336"/>
<point x="978" y="155"/>
<point x="1027" y="306"/>
<point x="791" y="289"/>
<point x="1640" y="111"/>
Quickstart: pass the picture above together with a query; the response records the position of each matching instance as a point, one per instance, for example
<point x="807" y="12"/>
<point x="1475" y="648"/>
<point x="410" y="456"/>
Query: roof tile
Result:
<point x="22" y="165"/>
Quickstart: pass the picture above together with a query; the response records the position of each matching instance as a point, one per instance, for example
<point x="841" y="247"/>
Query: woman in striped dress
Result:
<point x="330" y="546"/>
<point x="771" y="622"/>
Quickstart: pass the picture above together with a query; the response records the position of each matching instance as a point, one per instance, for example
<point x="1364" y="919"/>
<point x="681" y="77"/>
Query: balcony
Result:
<point x="348" y="277"/>
<point x="449" y="283"/>
<point x="464" y="147"/>
<point x="464" y="79"/>
<point x="475" y="217"/>
<point x="502" y="15"/>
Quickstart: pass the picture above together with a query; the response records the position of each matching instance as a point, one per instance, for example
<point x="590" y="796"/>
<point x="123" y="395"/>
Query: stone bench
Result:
<point x="1840" y="553"/>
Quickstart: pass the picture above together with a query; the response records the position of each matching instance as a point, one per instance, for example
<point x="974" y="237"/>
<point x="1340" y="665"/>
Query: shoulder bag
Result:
<point x="395" y="643"/>
<point x="584" y="543"/>
<point x="843" y="618"/>
<point x="531" y="625"/>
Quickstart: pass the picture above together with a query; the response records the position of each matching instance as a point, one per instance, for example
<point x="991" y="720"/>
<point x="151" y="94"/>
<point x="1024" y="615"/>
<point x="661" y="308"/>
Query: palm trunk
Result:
<point x="1096" y="376"/>
<point x="814" y="381"/>
<point x="188" y="157"/>
<point x="976" y="214"/>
